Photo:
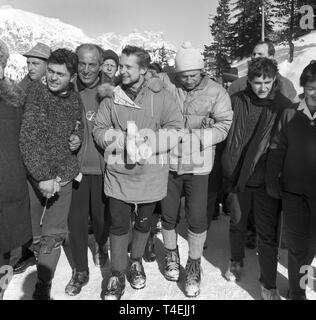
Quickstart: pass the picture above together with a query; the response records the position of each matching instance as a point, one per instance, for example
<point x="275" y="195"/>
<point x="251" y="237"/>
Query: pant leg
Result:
<point x="54" y="233"/>
<point x="99" y="212"/>
<point x="196" y="194"/>
<point x="238" y="231"/>
<point x="171" y="203"/>
<point x="297" y="226"/>
<point x="78" y="223"/>
<point x="120" y="212"/>
<point x="37" y="203"/>
<point x="142" y="228"/>
<point x="267" y="212"/>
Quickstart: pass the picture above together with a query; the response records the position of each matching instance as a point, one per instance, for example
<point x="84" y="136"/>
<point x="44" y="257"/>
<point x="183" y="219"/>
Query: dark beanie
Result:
<point x="110" y="54"/>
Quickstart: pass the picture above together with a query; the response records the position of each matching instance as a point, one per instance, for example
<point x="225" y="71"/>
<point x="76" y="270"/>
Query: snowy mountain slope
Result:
<point x="21" y="30"/>
<point x="305" y="51"/>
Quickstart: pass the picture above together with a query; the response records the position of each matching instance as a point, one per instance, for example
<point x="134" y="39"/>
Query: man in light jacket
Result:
<point x="136" y="127"/>
<point x="207" y="117"/>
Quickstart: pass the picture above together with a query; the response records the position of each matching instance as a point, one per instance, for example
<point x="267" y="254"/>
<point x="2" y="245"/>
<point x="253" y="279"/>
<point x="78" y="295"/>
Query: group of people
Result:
<point x="91" y="138"/>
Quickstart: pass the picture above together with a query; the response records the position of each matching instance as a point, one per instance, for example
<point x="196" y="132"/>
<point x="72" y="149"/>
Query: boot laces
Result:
<point x="193" y="271"/>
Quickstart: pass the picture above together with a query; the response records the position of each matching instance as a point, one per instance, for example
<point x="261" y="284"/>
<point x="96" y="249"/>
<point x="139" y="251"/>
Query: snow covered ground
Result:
<point x="214" y="263"/>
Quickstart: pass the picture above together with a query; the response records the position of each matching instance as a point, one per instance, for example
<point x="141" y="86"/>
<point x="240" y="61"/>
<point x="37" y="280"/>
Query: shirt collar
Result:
<point x="303" y="107"/>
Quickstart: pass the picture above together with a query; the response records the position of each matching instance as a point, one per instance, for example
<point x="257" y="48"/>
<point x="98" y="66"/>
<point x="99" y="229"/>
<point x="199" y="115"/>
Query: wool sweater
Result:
<point x="48" y="122"/>
<point x="292" y="154"/>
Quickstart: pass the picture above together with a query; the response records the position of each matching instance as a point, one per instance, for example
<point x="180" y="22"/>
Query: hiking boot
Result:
<point x="234" y="270"/>
<point x="101" y="256"/>
<point x="137" y="275"/>
<point x="172" y="265"/>
<point x="270" y="294"/>
<point x="42" y="291"/>
<point x="115" y="288"/>
<point x="149" y="253"/>
<point x="77" y="281"/>
<point x="23" y="263"/>
<point x="192" y="277"/>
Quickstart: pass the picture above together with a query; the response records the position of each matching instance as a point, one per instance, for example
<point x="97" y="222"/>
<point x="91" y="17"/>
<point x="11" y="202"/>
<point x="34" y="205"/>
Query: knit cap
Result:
<point x="110" y="54"/>
<point x="4" y="53"/>
<point x="188" y="58"/>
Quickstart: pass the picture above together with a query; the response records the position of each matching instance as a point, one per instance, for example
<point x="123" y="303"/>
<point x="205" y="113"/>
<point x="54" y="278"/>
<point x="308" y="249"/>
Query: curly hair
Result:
<point x="64" y="56"/>
<point x="4" y="54"/>
<point x="308" y="74"/>
<point x="268" y="68"/>
<point x="142" y="55"/>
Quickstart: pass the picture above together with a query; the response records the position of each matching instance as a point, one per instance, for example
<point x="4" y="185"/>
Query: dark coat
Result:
<point x="242" y="163"/>
<point x="15" y="223"/>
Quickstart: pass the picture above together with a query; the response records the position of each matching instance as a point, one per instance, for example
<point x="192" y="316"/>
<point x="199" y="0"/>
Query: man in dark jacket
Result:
<point x="15" y="222"/>
<point x="256" y="110"/>
<point x="291" y="176"/>
<point x="87" y="196"/>
<point x="52" y="117"/>
<point x="36" y="66"/>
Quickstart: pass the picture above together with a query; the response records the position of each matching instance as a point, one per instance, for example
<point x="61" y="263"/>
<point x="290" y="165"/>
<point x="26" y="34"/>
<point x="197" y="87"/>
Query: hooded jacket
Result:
<point x="154" y="110"/>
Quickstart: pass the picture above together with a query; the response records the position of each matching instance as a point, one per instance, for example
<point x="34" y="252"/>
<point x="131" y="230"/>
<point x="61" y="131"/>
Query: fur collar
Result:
<point x="106" y="90"/>
<point x="12" y="93"/>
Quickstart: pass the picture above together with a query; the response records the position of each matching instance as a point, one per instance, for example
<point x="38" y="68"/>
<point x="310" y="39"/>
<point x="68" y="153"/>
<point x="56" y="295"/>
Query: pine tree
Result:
<point x="217" y="54"/>
<point x="247" y="25"/>
<point x="288" y="10"/>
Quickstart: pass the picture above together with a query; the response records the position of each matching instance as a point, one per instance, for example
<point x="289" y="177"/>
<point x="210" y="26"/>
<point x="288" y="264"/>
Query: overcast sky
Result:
<point x="179" y="19"/>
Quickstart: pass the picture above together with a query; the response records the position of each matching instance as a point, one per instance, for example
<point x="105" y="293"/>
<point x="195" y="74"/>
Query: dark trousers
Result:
<point x="121" y="216"/>
<point x="267" y="212"/>
<point x="195" y="190"/>
<point x="300" y="232"/>
<point x="87" y="197"/>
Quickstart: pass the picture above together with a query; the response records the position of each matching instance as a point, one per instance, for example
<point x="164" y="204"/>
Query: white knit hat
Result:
<point x="188" y="58"/>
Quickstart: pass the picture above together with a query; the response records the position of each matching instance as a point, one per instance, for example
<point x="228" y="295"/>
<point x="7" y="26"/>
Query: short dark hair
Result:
<point x="308" y="74"/>
<point x="142" y="54"/>
<point x="91" y="47"/>
<point x="155" y="66"/>
<point x="271" y="49"/>
<point x="268" y="68"/>
<point x="64" y="56"/>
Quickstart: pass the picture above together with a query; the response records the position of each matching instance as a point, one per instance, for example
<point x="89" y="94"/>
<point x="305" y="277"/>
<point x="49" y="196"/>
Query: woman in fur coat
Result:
<point x="15" y="225"/>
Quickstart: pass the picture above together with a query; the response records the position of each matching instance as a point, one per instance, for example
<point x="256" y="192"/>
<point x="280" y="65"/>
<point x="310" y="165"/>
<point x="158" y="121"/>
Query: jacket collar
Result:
<point x="121" y="98"/>
<point x="304" y="108"/>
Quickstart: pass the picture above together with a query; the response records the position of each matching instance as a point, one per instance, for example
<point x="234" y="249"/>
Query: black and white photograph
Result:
<point x="159" y="152"/>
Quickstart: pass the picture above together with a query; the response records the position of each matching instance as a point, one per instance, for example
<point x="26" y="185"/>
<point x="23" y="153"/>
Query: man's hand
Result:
<point x="74" y="142"/>
<point x="49" y="188"/>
